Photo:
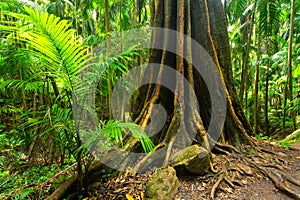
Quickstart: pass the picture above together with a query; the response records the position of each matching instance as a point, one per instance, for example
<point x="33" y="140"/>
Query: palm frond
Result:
<point x="235" y="9"/>
<point x="269" y="15"/>
<point x="52" y="41"/>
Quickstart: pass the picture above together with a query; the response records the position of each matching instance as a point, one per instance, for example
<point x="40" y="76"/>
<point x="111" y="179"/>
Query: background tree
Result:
<point x="266" y="95"/>
<point x="288" y="92"/>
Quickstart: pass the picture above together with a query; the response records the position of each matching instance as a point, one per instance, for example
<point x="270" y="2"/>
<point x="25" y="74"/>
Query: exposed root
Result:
<point x="269" y="152"/>
<point x="168" y="154"/>
<point x="239" y="169"/>
<point x="263" y="160"/>
<point x="226" y="190"/>
<point x="211" y="166"/>
<point x="227" y="146"/>
<point x="222" y="151"/>
<point x="279" y="182"/>
<point x="229" y="182"/>
<point x="273" y="165"/>
<point x="282" y="185"/>
<point x="217" y="184"/>
<point x="148" y="156"/>
<point x="291" y="179"/>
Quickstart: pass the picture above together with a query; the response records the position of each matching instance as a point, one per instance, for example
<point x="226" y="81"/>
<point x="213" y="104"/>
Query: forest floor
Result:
<point x="252" y="187"/>
<point x="244" y="182"/>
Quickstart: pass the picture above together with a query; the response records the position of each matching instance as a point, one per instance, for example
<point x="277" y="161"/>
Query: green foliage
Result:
<point x="41" y="58"/>
<point x="114" y="131"/>
<point x="285" y="143"/>
<point x="290" y="139"/>
<point x="236" y="10"/>
<point x="60" y="56"/>
<point x="261" y="137"/>
<point x="272" y="23"/>
<point x="269" y="15"/>
<point x="52" y="41"/>
<point x="18" y="181"/>
<point x="50" y="57"/>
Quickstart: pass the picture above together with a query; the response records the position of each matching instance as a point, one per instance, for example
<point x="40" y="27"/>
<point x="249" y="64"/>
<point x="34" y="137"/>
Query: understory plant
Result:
<point x="50" y="56"/>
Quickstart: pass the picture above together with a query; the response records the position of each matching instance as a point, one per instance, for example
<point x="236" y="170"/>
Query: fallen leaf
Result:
<point x="142" y="195"/>
<point x="287" y="185"/>
<point x="244" y="181"/>
<point x="129" y="197"/>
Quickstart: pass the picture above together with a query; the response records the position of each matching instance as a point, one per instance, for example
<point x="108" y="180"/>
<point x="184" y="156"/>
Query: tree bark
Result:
<point x="255" y="118"/>
<point x="288" y="94"/>
<point x="107" y="30"/>
<point x="205" y="22"/>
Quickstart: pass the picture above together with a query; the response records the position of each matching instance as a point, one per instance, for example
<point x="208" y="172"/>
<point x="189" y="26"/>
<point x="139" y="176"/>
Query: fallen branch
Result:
<point x="63" y="189"/>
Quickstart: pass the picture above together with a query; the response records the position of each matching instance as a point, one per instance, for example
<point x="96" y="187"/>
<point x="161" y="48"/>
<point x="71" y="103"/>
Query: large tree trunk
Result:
<point x="203" y="21"/>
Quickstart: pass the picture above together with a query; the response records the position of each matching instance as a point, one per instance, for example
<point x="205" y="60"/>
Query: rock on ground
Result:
<point x="194" y="159"/>
<point x="163" y="185"/>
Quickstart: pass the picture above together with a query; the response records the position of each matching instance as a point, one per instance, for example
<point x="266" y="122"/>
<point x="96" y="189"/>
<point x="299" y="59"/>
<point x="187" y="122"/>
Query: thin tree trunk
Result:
<point x="267" y="92"/>
<point x="121" y="22"/>
<point x="256" y="85"/>
<point x="152" y="11"/>
<point x="244" y="79"/>
<point x="122" y="100"/>
<point x="75" y="15"/>
<point x="23" y="91"/>
<point x="136" y="17"/>
<point x="289" y="63"/>
<point x="109" y="72"/>
<point x="83" y="29"/>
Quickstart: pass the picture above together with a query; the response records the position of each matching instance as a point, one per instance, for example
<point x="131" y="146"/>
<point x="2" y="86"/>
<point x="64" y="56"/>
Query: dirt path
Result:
<point x="255" y="187"/>
<point x="264" y="189"/>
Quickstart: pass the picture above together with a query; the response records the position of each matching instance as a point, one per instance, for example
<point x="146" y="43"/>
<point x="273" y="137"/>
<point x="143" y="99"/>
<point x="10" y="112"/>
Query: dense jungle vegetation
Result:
<point x="45" y="45"/>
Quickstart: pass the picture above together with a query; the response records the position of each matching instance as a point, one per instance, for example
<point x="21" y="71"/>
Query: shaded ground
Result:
<point x="252" y="187"/>
<point x="243" y="182"/>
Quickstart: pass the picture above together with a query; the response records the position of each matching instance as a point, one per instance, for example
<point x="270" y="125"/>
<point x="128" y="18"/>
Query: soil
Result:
<point x="253" y="187"/>
<point x="242" y="182"/>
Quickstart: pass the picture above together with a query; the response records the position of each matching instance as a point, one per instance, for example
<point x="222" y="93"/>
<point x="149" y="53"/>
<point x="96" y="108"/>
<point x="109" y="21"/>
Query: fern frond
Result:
<point x="115" y="129"/>
<point x="52" y="41"/>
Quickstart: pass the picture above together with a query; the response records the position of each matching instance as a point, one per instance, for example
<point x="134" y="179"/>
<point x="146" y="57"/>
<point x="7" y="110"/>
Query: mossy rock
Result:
<point x="162" y="185"/>
<point x="194" y="159"/>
